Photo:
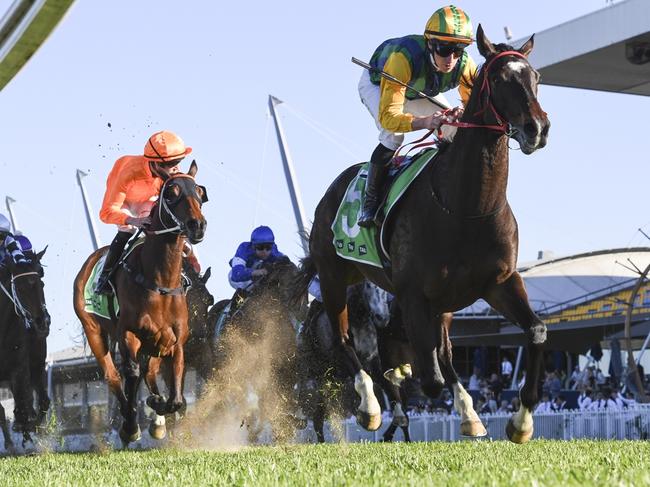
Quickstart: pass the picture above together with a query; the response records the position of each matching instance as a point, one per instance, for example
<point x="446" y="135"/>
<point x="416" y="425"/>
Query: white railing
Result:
<point x="628" y="424"/>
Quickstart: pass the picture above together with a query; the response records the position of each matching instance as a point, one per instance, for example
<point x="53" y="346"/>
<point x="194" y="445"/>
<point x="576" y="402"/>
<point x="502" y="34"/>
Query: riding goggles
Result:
<point x="446" y="49"/>
<point x="263" y="246"/>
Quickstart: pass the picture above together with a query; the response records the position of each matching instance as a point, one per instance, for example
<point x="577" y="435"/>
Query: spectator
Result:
<point x="505" y="407"/>
<point x="575" y="377"/>
<point x="555" y="384"/>
<point x="629" y="400"/>
<point x="559" y="404"/>
<point x="615" y="402"/>
<point x="600" y="404"/>
<point x="545" y="405"/>
<point x="482" y="406"/>
<point x="600" y="378"/>
<point x="495" y="384"/>
<point x="475" y="380"/>
<point x="506" y="370"/>
<point x="584" y="399"/>
<point x="492" y="402"/>
<point x="522" y="381"/>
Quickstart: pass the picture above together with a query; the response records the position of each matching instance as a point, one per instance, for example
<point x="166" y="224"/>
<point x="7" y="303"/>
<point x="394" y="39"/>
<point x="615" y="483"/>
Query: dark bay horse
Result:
<point x="324" y="387"/>
<point x="152" y="323"/>
<point x="256" y="352"/>
<point x="24" y="327"/>
<point x="452" y="240"/>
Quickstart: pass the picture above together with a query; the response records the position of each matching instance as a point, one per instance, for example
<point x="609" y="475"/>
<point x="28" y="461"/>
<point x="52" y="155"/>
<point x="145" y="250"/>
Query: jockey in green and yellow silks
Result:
<point x="433" y="63"/>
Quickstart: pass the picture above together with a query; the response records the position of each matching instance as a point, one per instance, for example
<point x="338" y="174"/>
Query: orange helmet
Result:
<point x="164" y="146"/>
<point x="450" y="25"/>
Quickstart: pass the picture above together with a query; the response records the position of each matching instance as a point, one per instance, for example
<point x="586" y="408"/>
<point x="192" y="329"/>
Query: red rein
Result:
<point x="502" y="125"/>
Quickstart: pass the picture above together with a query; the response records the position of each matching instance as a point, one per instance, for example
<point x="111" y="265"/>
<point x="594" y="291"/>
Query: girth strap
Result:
<point x="139" y="278"/>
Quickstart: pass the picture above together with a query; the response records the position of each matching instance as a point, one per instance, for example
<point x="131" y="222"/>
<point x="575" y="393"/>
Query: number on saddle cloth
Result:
<point x="360" y="244"/>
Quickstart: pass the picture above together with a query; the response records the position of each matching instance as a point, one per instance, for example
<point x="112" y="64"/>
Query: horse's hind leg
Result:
<point x="470" y="423"/>
<point x="334" y="293"/>
<point x="511" y="300"/>
<point x="9" y="444"/>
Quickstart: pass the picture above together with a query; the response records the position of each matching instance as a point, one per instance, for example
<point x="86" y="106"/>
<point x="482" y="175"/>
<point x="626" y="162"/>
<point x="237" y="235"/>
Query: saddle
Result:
<point x="366" y="245"/>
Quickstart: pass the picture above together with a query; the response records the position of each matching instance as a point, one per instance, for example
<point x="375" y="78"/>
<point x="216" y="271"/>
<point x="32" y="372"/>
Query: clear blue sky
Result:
<point x="205" y="70"/>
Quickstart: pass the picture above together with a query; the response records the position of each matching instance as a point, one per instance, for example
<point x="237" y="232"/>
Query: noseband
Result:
<point x="19" y="309"/>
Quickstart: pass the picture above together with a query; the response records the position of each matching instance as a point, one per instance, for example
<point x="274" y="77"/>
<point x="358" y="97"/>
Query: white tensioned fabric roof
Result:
<point x="591" y="52"/>
<point x="555" y="283"/>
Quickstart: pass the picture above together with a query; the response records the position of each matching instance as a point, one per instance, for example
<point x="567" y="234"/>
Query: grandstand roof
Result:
<point x="593" y="51"/>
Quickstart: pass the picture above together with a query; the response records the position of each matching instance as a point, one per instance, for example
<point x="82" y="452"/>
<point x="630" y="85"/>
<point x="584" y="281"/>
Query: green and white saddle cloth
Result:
<point x="360" y="244"/>
<point x="98" y="304"/>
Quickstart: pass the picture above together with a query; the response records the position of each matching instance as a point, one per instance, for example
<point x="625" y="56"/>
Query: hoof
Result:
<point x="517" y="436"/>
<point x="370" y="422"/>
<point x="475" y="429"/>
<point x="158" y="404"/>
<point x="157" y="431"/>
<point x="129" y="437"/>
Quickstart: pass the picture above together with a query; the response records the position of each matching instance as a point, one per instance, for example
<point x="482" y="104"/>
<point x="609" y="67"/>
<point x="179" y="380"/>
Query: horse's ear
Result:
<point x="528" y="46"/>
<point x="40" y="255"/>
<point x="206" y="275"/>
<point x="193" y="168"/>
<point x="485" y="47"/>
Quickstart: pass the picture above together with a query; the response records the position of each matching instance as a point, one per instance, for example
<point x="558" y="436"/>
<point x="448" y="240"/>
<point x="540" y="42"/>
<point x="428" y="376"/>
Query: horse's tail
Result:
<point x="301" y="282"/>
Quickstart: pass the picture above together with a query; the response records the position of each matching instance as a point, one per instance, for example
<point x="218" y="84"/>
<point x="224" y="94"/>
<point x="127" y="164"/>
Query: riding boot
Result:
<point x="114" y="254"/>
<point x="377" y="171"/>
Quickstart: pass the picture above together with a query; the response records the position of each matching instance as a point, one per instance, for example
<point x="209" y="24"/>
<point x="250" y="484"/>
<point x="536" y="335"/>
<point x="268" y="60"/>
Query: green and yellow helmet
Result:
<point x="449" y="25"/>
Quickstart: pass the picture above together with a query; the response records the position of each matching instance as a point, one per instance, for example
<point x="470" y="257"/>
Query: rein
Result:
<point x="19" y="309"/>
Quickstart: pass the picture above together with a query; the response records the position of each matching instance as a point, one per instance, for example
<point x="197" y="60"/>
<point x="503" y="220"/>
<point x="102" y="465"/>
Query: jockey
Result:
<point x="9" y="245"/>
<point x="250" y="256"/>
<point x="432" y="63"/>
<point x="132" y="189"/>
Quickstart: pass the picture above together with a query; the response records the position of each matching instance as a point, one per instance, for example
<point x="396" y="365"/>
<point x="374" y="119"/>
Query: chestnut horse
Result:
<point x="452" y="240"/>
<point x="24" y="327"/>
<point x="152" y="323"/>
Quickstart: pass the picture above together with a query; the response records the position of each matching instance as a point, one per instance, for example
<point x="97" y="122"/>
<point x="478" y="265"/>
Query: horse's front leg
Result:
<point x="40" y="387"/>
<point x="511" y="300"/>
<point x="176" y="400"/>
<point x="470" y="423"/>
<point x="158" y="426"/>
<point x="129" y="347"/>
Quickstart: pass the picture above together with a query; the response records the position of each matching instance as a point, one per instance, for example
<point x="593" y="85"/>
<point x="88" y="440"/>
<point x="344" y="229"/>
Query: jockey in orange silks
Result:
<point x="132" y="189"/>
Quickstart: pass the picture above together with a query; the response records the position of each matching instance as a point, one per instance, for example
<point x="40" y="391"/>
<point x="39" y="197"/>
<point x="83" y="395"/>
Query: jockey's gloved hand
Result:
<point x="138" y="222"/>
<point x="259" y="272"/>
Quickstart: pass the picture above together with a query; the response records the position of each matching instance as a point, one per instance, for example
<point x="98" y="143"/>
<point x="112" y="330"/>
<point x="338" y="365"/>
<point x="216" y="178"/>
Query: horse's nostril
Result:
<point x="530" y="129"/>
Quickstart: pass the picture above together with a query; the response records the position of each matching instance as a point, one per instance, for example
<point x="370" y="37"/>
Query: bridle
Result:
<point x="502" y="124"/>
<point x="19" y="309"/>
<point x="179" y="226"/>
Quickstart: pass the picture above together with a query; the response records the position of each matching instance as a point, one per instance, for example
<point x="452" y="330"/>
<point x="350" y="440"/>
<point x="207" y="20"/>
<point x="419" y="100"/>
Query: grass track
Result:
<point x="467" y="463"/>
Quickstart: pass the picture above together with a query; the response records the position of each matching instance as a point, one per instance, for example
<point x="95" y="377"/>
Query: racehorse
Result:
<point x="152" y="323"/>
<point x="24" y="327"/>
<point x="371" y="329"/>
<point x="452" y="239"/>
<point x="256" y="351"/>
<point x="198" y="348"/>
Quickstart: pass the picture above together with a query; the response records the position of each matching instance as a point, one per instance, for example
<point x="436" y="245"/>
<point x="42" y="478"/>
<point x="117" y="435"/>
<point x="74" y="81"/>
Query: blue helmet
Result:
<point x="24" y="243"/>
<point x="262" y="235"/>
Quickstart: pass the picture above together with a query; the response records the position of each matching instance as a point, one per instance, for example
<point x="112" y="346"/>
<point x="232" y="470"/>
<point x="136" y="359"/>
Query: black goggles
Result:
<point x="266" y="246"/>
<point x="445" y="49"/>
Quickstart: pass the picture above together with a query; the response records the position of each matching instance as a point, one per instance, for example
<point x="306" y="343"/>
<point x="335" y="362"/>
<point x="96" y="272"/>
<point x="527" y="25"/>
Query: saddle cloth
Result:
<point x="365" y="245"/>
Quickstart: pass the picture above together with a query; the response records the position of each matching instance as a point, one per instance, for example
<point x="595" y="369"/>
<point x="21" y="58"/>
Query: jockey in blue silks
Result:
<point x="9" y="245"/>
<point x="250" y="256"/>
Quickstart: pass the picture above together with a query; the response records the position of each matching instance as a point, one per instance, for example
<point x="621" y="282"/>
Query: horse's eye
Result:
<point x="172" y="192"/>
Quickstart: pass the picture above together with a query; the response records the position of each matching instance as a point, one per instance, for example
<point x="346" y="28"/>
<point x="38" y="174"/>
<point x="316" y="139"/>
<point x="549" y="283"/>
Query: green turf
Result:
<point x="466" y="463"/>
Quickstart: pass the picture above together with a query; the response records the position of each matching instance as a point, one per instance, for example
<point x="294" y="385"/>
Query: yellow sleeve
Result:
<point x="393" y="96"/>
<point x="467" y="80"/>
